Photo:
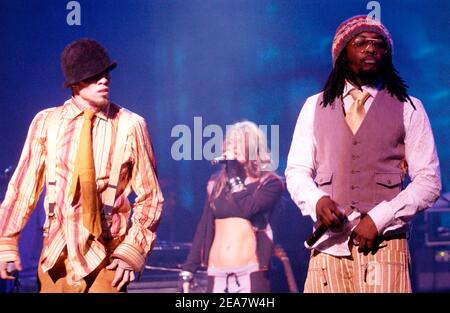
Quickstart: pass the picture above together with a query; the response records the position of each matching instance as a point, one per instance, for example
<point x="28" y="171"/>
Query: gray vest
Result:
<point x="364" y="169"/>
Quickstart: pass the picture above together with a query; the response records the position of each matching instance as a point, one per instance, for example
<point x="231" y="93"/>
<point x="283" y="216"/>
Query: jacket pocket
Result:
<point x="388" y="180"/>
<point x="324" y="181"/>
<point x="387" y="186"/>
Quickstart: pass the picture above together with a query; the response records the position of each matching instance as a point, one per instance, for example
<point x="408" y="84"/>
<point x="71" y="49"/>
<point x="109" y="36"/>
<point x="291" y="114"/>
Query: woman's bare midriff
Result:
<point x="234" y="243"/>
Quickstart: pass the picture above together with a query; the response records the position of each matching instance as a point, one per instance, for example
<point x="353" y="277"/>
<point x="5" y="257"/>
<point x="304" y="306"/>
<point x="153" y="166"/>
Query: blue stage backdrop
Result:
<point x="186" y="62"/>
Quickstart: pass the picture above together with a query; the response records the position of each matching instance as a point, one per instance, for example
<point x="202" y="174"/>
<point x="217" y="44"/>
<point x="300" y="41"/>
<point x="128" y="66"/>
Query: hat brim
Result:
<point x="108" y="68"/>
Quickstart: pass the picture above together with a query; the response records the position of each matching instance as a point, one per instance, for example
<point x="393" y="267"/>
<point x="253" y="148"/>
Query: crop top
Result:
<point x="255" y="203"/>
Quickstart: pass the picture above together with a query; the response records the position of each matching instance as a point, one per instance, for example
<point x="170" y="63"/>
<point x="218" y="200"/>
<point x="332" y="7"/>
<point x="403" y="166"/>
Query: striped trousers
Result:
<point x="386" y="270"/>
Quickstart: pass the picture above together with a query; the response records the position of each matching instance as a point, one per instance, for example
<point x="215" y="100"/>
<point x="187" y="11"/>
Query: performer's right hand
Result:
<point x="7" y="269"/>
<point x="328" y="213"/>
<point x="234" y="167"/>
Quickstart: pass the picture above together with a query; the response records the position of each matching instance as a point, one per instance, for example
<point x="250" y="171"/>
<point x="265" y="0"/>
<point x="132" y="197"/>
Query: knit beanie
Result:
<point x="352" y="27"/>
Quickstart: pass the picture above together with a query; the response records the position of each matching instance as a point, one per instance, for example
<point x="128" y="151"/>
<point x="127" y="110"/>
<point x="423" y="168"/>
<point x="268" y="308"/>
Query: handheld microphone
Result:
<point x="312" y="239"/>
<point x="321" y="229"/>
<point x="219" y="160"/>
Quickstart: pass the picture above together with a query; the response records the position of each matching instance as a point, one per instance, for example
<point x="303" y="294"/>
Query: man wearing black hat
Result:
<point x="351" y="148"/>
<point x="91" y="154"/>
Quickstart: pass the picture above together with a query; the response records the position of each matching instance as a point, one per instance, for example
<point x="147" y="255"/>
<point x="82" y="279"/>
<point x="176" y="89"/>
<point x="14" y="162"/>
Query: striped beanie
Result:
<point x="352" y="27"/>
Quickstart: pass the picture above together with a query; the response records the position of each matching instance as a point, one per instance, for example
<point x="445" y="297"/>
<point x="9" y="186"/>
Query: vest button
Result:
<point x="354" y="202"/>
<point x="353" y="187"/>
<point x="354" y="142"/>
<point x="389" y="181"/>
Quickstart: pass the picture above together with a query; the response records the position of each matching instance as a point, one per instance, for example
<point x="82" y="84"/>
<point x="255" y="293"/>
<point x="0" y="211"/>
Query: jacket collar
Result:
<point x="73" y="109"/>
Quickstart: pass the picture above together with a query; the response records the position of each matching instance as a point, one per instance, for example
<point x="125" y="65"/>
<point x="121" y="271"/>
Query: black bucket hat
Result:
<point x="83" y="59"/>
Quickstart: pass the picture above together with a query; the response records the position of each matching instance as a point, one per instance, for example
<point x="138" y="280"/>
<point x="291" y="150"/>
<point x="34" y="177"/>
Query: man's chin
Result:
<point x="101" y="103"/>
<point x="369" y="75"/>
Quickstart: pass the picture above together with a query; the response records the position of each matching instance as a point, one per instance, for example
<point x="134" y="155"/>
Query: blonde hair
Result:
<point x="252" y="146"/>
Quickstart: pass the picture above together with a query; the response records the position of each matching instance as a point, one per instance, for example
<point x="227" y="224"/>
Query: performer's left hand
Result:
<point x="364" y="235"/>
<point x="124" y="273"/>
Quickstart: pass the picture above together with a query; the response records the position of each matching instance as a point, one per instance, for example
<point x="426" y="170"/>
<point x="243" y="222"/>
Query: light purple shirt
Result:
<point x="388" y="216"/>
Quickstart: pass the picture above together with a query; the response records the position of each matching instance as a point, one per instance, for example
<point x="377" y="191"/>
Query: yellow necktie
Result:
<point x="355" y="114"/>
<point x="85" y="172"/>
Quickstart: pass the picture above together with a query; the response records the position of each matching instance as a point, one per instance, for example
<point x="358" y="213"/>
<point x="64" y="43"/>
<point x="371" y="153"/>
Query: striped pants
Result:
<point x="387" y="270"/>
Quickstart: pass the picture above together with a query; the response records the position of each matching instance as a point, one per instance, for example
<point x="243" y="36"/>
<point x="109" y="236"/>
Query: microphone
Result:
<point x="322" y="228"/>
<point x="312" y="239"/>
<point x="219" y="160"/>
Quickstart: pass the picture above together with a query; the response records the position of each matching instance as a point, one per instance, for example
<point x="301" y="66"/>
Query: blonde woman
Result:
<point x="233" y="238"/>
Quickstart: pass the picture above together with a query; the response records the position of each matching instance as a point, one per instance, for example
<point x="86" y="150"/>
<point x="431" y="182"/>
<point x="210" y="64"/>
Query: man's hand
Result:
<point x="7" y="269"/>
<point x="364" y="235"/>
<point x="124" y="273"/>
<point x="328" y="213"/>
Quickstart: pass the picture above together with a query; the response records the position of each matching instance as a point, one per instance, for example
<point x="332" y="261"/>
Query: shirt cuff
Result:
<point x="382" y="216"/>
<point x="134" y="256"/>
<point x="9" y="250"/>
<point x="313" y="198"/>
